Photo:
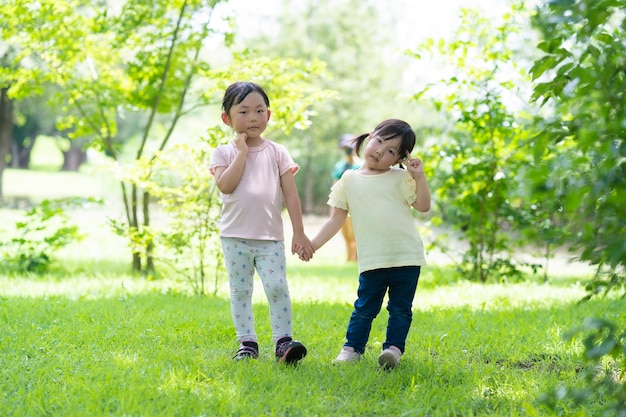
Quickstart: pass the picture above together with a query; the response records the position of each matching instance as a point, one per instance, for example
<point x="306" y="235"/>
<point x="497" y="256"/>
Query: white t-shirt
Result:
<point x="380" y="206"/>
<point x="253" y="209"/>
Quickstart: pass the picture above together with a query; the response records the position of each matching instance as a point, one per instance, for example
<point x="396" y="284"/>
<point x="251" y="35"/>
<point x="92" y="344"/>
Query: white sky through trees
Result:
<point x="416" y="19"/>
<point x="412" y="21"/>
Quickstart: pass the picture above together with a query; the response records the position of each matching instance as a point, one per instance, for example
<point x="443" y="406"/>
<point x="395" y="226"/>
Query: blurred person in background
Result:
<point x="349" y="161"/>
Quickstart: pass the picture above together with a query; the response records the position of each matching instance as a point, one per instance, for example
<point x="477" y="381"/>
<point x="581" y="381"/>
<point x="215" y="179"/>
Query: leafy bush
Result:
<point x="476" y="162"/>
<point x="187" y="243"/>
<point x="580" y="80"/>
<point x="45" y="229"/>
<point x="605" y="351"/>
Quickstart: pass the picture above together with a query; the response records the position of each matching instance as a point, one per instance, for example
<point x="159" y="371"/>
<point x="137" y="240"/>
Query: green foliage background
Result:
<point x="524" y="146"/>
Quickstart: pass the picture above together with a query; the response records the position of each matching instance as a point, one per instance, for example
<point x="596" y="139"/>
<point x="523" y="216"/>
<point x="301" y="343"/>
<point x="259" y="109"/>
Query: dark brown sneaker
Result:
<point x="248" y="350"/>
<point x="289" y="351"/>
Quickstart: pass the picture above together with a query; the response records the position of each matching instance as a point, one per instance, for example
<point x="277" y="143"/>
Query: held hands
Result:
<point x="302" y="246"/>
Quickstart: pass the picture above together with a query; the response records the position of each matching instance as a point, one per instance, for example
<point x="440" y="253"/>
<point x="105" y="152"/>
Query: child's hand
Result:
<point x="414" y="165"/>
<point x="302" y="246"/>
<point x="302" y="254"/>
<point x="240" y="142"/>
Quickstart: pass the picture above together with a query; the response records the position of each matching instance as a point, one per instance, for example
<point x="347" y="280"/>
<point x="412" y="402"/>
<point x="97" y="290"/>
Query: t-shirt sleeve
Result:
<point x="218" y="159"/>
<point x="285" y="162"/>
<point x="408" y="189"/>
<point x="337" y="197"/>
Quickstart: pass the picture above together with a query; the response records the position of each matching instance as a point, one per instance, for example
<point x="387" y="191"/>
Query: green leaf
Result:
<point x="605" y="37"/>
<point x="542" y="65"/>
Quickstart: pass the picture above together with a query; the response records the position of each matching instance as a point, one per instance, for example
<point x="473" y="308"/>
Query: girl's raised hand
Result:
<point x="240" y="142"/>
<point x="414" y="165"/>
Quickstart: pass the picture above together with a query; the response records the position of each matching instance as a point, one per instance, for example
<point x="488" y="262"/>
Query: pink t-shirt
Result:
<point x="253" y="210"/>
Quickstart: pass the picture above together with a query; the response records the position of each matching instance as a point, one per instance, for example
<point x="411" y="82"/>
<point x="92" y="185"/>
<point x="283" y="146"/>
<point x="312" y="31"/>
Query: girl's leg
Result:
<point x="402" y="287"/>
<point x="239" y="261"/>
<point x="270" y="263"/>
<point x="372" y="288"/>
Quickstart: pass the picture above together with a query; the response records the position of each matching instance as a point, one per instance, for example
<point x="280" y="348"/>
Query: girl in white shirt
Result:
<point x="379" y="197"/>
<point x="251" y="173"/>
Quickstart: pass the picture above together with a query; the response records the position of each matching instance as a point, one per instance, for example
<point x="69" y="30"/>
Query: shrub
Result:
<point x="45" y="229"/>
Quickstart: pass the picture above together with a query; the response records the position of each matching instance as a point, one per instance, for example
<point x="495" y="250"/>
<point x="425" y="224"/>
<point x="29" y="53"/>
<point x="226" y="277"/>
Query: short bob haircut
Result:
<point x="238" y="91"/>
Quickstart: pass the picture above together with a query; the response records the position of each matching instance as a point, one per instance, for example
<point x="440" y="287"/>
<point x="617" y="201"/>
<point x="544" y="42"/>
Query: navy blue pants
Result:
<point x="401" y="282"/>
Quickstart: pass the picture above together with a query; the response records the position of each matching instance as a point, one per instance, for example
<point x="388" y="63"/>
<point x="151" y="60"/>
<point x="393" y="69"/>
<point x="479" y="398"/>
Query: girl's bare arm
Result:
<point x="330" y="227"/>
<point x="227" y="178"/>
<point x="300" y="242"/>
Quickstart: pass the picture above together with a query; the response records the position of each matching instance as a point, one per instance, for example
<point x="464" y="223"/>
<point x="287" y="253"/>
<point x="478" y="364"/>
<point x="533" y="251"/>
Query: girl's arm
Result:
<point x="227" y="178"/>
<point x="330" y="227"/>
<point x="299" y="243"/>
<point x="422" y="192"/>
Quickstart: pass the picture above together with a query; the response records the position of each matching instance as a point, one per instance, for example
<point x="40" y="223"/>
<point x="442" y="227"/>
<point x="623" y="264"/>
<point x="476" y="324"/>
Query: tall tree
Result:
<point x="581" y="81"/>
<point x="581" y="149"/>
<point x="33" y="117"/>
<point x="6" y="123"/>
<point x="6" y="108"/>
<point x="476" y="157"/>
<point x="143" y="56"/>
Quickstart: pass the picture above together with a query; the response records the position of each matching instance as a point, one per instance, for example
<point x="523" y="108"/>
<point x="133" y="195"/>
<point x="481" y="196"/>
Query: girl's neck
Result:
<point x="368" y="171"/>
<point x="253" y="142"/>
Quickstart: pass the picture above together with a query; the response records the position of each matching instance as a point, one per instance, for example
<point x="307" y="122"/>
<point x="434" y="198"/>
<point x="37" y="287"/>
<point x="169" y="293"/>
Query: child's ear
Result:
<point x="226" y="119"/>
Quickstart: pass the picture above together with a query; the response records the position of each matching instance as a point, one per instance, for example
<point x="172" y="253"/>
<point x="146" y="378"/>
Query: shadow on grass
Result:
<point x="449" y="275"/>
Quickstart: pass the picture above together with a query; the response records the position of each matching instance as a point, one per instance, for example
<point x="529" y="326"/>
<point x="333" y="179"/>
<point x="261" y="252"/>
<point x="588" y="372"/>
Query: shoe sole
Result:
<point x="349" y="359"/>
<point x="293" y="354"/>
<point x="340" y="362"/>
<point x="386" y="361"/>
<point x="244" y="358"/>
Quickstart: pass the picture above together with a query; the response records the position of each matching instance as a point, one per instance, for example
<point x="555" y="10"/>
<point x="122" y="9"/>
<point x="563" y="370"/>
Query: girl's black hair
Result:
<point x="390" y="129"/>
<point x="238" y="91"/>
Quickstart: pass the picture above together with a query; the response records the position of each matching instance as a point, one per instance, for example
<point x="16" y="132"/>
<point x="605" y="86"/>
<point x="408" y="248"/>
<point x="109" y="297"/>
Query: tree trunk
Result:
<point x="150" y="269"/>
<point x="74" y="157"/>
<point x="6" y="126"/>
<point x="20" y="154"/>
<point x="23" y="141"/>
<point x="134" y="227"/>
<point x="309" y="198"/>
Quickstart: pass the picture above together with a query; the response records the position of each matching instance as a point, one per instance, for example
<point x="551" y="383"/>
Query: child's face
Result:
<point x="381" y="154"/>
<point x="249" y="117"/>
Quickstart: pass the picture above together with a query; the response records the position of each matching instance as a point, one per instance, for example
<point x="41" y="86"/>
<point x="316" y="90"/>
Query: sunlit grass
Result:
<point x="99" y="343"/>
<point x="90" y="338"/>
<point x="24" y="186"/>
<point x="156" y="353"/>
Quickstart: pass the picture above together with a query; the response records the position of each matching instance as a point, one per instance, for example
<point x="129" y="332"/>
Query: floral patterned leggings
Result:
<point x="242" y="257"/>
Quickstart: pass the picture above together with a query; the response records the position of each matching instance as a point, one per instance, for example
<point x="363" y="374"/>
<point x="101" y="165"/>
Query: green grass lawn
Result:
<point x="98" y="345"/>
<point x="91" y="339"/>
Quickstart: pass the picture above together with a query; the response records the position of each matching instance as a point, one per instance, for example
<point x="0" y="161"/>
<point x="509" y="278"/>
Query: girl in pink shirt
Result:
<point x="251" y="173"/>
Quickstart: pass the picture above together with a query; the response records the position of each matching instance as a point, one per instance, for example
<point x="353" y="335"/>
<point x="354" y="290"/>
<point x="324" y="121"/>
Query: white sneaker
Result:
<point x="389" y="358"/>
<point x="347" y="355"/>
